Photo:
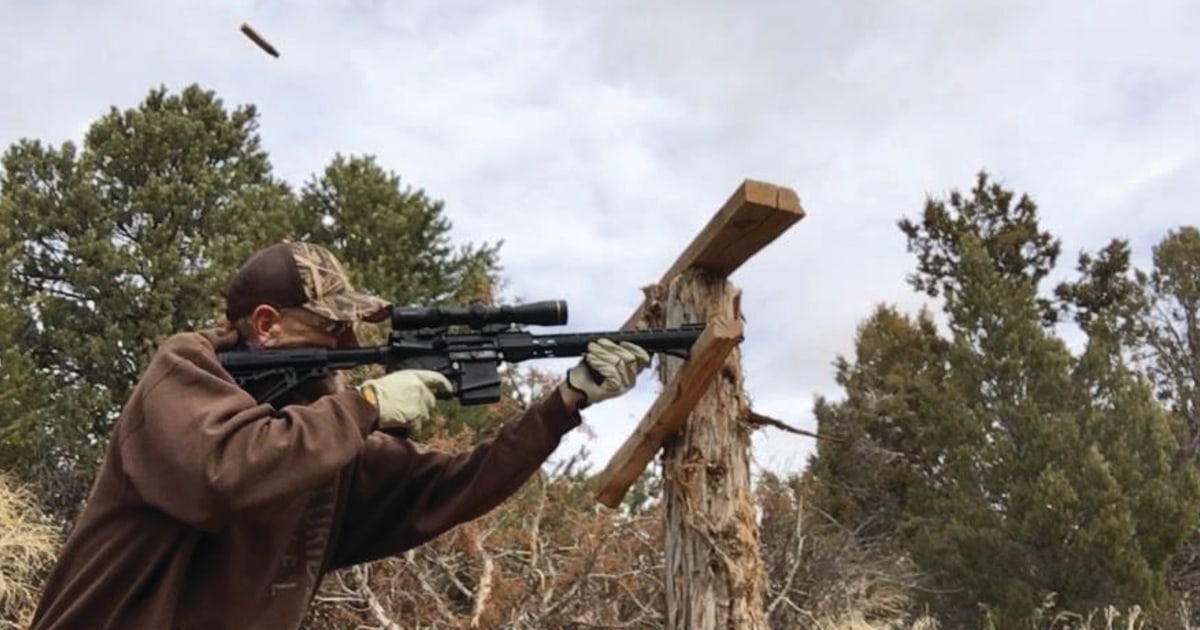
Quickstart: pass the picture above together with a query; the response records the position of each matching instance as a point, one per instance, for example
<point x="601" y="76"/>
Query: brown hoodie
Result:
<point x="213" y="511"/>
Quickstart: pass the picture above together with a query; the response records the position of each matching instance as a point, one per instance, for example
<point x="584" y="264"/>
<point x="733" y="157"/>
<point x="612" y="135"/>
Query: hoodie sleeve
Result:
<point x="404" y="494"/>
<point x="201" y="449"/>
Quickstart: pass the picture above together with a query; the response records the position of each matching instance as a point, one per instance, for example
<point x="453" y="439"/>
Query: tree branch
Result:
<point x="757" y="419"/>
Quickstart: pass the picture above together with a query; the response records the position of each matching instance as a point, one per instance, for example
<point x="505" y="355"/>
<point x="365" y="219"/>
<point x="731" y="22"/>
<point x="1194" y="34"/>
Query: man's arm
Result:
<point x="200" y="448"/>
<point x="404" y="494"/>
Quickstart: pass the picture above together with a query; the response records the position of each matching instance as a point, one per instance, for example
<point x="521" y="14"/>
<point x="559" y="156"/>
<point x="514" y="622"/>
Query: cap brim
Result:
<point x="351" y="306"/>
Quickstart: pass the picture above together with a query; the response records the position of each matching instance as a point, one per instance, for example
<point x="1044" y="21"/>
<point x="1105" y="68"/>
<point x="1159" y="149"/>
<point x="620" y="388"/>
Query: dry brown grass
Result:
<point x="855" y="621"/>
<point x="28" y="544"/>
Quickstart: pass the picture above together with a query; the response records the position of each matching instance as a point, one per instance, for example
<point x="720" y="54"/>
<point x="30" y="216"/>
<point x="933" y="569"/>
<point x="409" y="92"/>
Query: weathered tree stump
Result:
<point x="714" y="572"/>
<point x="701" y="421"/>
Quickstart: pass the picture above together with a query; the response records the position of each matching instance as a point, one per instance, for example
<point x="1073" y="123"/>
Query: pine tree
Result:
<point x="1126" y="424"/>
<point x="395" y="242"/>
<point x="115" y="244"/>
<point x="1048" y="478"/>
<point x="112" y="246"/>
<point x="883" y="446"/>
<point x="1171" y="331"/>
<point x="1152" y="319"/>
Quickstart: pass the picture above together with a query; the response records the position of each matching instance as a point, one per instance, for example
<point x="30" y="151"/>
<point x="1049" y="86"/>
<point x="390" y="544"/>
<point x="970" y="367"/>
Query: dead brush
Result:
<point x="27" y="546"/>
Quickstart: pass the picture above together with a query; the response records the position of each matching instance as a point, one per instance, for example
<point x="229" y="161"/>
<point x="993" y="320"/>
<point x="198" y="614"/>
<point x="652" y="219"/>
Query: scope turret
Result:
<point x="476" y="315"/>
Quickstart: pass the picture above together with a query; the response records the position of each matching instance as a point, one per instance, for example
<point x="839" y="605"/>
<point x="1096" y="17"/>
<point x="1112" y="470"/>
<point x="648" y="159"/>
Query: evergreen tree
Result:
<point x="1071" y="481"/>
<point x="1107" y="301"/>
<point x="113" y="245"/>
<point x="1171" y="331"/>
<point x="395" y="242"/>
<point x="1047" y="476"/>
<point x="1125" y="423"/>
<point x="393" y="239"/>
<point x="1152" y="318"/>
<point x="882" y="446"/>
<point x="1171" y="348"/>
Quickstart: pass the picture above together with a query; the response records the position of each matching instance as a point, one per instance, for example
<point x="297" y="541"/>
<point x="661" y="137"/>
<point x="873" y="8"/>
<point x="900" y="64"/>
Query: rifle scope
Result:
<point x="476" y="315"/>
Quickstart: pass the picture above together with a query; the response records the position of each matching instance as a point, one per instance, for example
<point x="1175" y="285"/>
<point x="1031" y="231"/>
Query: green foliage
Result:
<point x="112" y="246"/>
<point x="883" y="448"/>
<point x="393" y="240"/>
<point x="1107" y="301"/>
<point x="1014" y="471"/>
<point x="1171" y="331"/>
<point x="988" y="229"/>
<point x="1154" y="318"/>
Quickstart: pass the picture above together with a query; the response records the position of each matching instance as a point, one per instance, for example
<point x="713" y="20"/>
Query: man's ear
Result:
<point x="262" y="320"/>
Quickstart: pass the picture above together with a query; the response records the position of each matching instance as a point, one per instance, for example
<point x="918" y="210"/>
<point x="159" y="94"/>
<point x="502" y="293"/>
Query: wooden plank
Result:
<point x="755" y="215"/>
<point x="670" y="410"/>
<point x="711" y="544"/>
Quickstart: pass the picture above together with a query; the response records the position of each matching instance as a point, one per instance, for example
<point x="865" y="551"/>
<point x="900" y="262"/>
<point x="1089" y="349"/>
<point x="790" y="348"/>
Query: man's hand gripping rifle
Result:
<point x="420" y="339"/>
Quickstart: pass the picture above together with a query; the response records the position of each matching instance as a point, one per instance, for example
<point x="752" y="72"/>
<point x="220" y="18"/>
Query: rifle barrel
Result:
<point x="652" y="341"/>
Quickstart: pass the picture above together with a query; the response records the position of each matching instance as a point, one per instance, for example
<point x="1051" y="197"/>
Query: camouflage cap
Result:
<point x="300" y="275"/>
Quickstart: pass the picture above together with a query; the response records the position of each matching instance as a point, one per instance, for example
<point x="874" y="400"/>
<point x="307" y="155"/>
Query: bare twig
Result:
<point x="758" y="420"/>
<point x="378" y="611"/>
<point x="484" y="588"/>
<point x="428" y="589"/>
<point x="787" y="585"/>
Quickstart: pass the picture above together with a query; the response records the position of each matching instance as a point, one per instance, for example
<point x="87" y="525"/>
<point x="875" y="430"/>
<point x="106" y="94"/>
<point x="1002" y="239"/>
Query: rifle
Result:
<point x="421" y="339"/>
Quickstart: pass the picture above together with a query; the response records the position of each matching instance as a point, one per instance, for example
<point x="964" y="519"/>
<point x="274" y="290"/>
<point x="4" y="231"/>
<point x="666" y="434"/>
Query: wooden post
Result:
<point x="666" y="417"/>
<point x="754" y="215"/>
<point x="715" y="577"/>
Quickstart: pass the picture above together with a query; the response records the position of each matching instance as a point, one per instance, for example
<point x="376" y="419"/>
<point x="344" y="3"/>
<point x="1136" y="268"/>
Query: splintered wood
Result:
<point x="753" y="216"/>
<point x="667" y="414"/>
<point x="714" y="575"/>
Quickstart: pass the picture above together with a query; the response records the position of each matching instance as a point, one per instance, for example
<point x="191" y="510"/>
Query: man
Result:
<point x="213" y="511"/>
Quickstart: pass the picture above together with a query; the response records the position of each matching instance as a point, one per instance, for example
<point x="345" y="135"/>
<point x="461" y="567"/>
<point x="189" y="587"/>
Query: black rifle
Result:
<point x="420" y="339"/>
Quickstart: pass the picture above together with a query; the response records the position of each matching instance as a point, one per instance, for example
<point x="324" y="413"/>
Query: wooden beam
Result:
<point x="670" y="410"/>
<point x="755" y="214"/>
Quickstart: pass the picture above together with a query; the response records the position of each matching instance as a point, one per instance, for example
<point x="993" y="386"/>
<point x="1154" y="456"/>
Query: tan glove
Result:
<point x="406" y="398"/>
<point x="613" y="370"/>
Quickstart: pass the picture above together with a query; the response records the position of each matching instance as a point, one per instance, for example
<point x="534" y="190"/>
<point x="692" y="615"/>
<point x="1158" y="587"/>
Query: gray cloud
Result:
<point x="596" y="140"/>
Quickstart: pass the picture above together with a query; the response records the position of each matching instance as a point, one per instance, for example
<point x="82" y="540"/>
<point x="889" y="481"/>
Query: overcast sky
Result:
<point x="596" y="138"/>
